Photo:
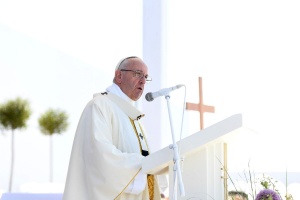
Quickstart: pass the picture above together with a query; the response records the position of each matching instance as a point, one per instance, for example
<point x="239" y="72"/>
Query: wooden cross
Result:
<point x="200" y="106"/>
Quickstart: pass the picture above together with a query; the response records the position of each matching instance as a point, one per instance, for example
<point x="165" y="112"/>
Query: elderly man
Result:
<point x="110" y="142"/>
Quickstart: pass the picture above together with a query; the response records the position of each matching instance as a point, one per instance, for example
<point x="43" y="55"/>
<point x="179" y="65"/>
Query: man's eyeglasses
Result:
<point x="138" y="74"/>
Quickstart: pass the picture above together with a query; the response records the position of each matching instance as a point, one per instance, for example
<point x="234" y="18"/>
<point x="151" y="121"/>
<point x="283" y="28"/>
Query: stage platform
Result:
<point x="31" y="196"/>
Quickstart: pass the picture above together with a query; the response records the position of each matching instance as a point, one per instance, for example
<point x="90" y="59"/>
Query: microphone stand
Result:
<point x="176" y="167"/>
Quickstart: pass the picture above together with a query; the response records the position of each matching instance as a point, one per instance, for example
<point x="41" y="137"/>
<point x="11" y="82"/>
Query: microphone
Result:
<point x="150" y="96"/>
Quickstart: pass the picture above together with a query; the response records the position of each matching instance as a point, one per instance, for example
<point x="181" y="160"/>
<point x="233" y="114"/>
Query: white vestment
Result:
<point x="106" y="154"/>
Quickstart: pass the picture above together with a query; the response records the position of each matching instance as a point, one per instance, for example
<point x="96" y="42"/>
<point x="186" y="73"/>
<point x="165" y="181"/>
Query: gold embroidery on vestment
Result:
<point x="150" y="178"/>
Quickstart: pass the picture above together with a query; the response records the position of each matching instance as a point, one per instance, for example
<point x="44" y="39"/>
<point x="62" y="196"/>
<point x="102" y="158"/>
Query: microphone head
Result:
<point x="149" y="96"/>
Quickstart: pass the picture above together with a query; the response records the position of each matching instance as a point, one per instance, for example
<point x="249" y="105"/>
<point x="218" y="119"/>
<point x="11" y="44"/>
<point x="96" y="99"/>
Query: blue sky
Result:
<point x="56" y="55"/>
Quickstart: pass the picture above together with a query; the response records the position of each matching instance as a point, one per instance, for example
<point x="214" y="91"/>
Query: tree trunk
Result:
<point x="12" y="160"/>
<point x="51" y="159"/>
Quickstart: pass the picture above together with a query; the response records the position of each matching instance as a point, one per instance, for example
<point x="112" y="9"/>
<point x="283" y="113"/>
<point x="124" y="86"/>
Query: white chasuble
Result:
<point x="106" y="153"/>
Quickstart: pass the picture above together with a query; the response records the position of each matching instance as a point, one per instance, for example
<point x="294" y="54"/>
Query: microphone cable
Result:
<point x="182" y="120"/>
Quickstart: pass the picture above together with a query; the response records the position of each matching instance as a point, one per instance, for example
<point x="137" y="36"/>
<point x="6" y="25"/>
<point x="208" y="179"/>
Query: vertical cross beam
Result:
<point x="200" y="107"/>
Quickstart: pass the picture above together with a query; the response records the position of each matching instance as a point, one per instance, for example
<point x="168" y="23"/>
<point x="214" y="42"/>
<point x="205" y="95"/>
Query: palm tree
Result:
<point x="13" y="115"/>
<point x="51" y="122"/>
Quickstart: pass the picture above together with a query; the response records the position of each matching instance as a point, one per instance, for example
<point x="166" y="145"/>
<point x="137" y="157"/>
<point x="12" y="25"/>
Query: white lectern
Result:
<point x="204" y="158"/>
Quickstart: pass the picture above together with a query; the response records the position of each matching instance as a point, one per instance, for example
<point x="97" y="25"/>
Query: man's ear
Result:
<point x="118" y="76"/>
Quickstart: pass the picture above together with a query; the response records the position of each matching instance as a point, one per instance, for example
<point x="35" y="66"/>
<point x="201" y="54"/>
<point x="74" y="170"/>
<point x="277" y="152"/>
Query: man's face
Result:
<point x="129" y="81"/>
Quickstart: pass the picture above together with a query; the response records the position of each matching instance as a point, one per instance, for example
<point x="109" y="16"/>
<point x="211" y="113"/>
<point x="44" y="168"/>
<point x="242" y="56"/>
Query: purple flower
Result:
<point x="267" y="194"/>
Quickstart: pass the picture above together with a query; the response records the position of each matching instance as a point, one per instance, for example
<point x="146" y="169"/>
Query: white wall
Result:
<point x="247" y="55"/>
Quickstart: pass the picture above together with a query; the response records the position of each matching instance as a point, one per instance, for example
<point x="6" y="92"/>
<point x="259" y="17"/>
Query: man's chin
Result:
<point x="138" y="96"/>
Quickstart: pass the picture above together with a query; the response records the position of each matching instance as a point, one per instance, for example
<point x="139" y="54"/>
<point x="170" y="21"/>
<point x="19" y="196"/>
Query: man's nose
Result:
<point x="143" y="79"/>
